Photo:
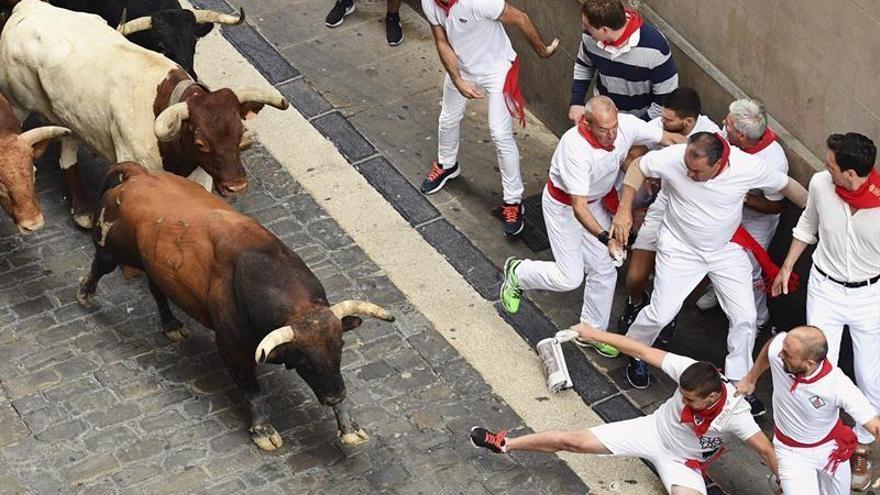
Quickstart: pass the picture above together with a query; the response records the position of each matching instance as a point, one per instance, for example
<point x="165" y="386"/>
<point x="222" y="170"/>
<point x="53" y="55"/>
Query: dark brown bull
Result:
<point x="233" y="276"/>
<point x="17" y="153"/>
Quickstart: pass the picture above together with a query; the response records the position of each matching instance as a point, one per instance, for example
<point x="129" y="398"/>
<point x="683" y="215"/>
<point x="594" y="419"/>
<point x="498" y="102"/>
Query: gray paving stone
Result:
<point x="350" y="142"/>
<point x="392" y="185"/>
<point x="467" y="259"/>
<point x="616" y="409"/>
<point x="303" y="96"/>
<point x="91" y="468"/>
<point x="260" y="53"/>
<point x="12" y="428"/>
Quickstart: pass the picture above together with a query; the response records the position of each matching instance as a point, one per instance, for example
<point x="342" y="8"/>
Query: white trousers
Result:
<point x="639" y="438"/>
<point x="500" y="129"/>
<point x="830" y="306"/>
<point x="679" y="269"/>
<point x="576" y="253"/>
<point x="801" y="471"/>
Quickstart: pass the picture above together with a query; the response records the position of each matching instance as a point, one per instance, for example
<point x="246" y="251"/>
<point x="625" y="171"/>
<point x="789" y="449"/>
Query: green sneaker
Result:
<point x="511" y="293"/>
<point x="603" y="349"/>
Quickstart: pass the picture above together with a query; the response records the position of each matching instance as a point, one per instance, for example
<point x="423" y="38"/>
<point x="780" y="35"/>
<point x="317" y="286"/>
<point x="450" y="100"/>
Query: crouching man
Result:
<point x="686" y="434"/>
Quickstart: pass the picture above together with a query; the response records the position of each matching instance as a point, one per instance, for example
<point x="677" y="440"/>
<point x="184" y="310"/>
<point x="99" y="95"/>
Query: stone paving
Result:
<point x="99" y="401"/>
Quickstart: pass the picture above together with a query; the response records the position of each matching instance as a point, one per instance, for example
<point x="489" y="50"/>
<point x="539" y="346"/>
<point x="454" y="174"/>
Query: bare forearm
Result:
<point x="582" y="213"/>
<point x="763" y="205"/>
<point x="528" y="29"/>
<point x="796" y="193"/>
<point x="794" y="252"/>
<point x="631" y="347"/>
<point x="762" y="364"/>
<point x="632" y="182"/>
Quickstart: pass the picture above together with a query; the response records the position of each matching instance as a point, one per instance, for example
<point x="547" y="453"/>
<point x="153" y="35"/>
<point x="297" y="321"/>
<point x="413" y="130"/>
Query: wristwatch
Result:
<point x="604" y="237"/>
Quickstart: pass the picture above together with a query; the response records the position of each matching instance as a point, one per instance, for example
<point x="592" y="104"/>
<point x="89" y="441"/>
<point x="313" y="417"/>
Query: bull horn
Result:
<point x="275" y="338"/>
<point x="212" y="16"/>
<point x="39" y="134"/>
<point x="264" y="96"/>
<point x="361" y="308"/>
<point x="135" y="25"/>
<point x="167" y="124"/>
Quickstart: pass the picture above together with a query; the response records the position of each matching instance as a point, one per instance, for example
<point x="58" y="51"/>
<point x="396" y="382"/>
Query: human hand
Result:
<point x="550" y="49"/>
<point x="780" y="283"/>
<point x="617" y="253"/>
<point x="745" y="387"/>
<point x="575" y="112"/>
<point x="467" y="89"/>
<point x="621" y="225"/>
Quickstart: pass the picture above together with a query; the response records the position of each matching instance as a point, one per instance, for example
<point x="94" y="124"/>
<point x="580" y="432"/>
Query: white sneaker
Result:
<point x="708" y="300"/>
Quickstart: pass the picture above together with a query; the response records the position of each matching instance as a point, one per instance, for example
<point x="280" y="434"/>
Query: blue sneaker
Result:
<point x="513" y="218"/>
<point x="438" y="177"/>
<point x="637" y="374"/>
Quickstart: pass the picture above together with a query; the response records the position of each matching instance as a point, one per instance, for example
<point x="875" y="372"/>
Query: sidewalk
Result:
<point x="391" y="96"/>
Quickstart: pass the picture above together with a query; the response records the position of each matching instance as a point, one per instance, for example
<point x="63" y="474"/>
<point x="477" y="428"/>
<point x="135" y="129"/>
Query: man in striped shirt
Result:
<point x="632" y="58"/>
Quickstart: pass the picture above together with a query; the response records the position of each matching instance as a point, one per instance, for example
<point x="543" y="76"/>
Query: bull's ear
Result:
<point x="202" y="29"/>
<point x="350" y="323"/>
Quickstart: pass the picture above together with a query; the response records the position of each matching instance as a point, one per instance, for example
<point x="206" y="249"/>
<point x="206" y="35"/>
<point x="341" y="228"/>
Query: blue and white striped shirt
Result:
<point x="635" y="76"/>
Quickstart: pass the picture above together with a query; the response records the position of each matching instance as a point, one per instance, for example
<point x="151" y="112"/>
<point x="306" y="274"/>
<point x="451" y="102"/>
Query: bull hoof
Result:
<point x="83" y="294"/>
<point x="175" y="331"/>
<point x="266" y="437"/>
<point x="353" y="438"/>
<point x="83" y="220"/>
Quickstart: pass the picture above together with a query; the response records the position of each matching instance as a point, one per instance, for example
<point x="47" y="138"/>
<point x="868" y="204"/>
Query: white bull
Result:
<point x="123" y="101"/>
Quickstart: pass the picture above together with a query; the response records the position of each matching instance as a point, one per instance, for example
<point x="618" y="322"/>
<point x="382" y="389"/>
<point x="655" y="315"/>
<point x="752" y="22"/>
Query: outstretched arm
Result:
<point x="626" y="345"/>
<point x="632" y="182"/>
<point x="746" y="386"/>
<point x="762" y="446"/>
<point x="512" y="16"/>
<point x="795" y="192"/>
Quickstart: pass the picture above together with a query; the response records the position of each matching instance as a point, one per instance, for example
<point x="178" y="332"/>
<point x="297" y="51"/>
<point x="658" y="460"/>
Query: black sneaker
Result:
<point x="393" y="29"/>
<point x="758" y="408"/>
<point x="513" y="218"/>
<point x="637" y="374"/>
<point x="338" y="13"/>
<point x="437" y="178"/>
<point x="483" y="438"/>
<point x="630" y="313"/>
<point x="667" y="334"/>
<point x="769" y="329"/>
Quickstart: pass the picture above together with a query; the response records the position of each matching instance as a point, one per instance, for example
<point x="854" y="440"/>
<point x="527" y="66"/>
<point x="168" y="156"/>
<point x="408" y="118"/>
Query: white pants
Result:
<point x="500" y="129"/>
<point x="679" y="269"/>
<point x="801" y="471"/>
<point x="576" y="252"/>
<point x="830" y="306"/>
<point x="639" y="438"/>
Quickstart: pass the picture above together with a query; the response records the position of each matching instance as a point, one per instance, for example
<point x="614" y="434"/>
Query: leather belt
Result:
<point x="849" y="285"/>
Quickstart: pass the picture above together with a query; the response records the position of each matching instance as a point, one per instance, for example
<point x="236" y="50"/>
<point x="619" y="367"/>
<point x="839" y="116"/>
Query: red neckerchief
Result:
<point x="866" y="196"/>
<point x="446" y="6"/>
<point x="633" y="23"/>
<point x="584" y="130"/>
<point x="826" y="368"/>
<point x="513" y="97"/>
<point x="768" y="138"/>
<point x="725" y="155"/>
<point x="704" y="417"/>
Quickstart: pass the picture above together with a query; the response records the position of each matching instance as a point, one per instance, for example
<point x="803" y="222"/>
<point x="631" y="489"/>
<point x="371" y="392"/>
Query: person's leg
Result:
<point x="448" y="139"/>
<point x="393" y="29"/>
<point x="580" y="442"/>
<point x="825" y="311"/>
<point x="501" y="131"/>
<point x="730" y="273"/>
<point x="677" y="478"/>
<point x="566" y="271"/>
<point x="600" y="281"/>
<point x="797" y="471"/>
<point x="864" y="328"/>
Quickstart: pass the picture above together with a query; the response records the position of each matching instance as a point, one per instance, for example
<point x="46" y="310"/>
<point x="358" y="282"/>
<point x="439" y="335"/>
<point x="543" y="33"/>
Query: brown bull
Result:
<point x="233" y="276"/>
<point x="17" y="153"/>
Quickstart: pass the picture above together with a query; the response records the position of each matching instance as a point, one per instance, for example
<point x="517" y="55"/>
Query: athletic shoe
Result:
<point x="861" y="470"/>
<point x="630" y="312"/>
<point x="758" y="407"/>
<point x="602" y="348"/>
<point x="637" y="374"/>
<point x="511" y="292"/>
<point x="768" y="328"/>
<point x="667" y="334"/>
<point x="393" y="29"/>
<point x="437" y="178"/>
<point x="708" y="300"/>
<point x="338" y="13"/>
<point x="485" y="439"/>
<point x="513" y="218"/>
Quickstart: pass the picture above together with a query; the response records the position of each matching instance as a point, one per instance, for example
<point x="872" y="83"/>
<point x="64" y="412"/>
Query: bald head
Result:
<point x="600" y="108"/>
<point x="810" y="343"/>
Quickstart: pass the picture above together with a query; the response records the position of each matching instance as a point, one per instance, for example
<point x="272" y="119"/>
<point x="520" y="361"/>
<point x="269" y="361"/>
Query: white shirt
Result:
<point x="763" y="225"/>
<point x="582" y="170"/>
<point x="704" y="215"/>
<point x="809" y="413"/>
<point x="679" y="438"/>
<point x="476" y="35"/>
<point x="849" y="244"/>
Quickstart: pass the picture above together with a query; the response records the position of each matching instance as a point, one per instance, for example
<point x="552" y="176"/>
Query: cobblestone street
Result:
<point x="99" y="401"/>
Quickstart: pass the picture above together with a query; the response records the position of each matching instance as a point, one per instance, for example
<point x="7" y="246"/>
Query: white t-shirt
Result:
<point x="475" y="34"/>
<point x="704" y="215"/>
<point x="680" y="439"/>
<point x="809" y="413"/>
<point x="763" y="225"/>
<point x="582" y="170"/>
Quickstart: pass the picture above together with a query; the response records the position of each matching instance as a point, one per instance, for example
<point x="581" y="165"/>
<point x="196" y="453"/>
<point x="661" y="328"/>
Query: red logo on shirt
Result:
<point x="817" y="401"/>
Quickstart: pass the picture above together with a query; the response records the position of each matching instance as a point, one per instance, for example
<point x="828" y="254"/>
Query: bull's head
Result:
<point x="17" y="154"/>
<point x="174" y="32"/>
<point x="312" y="345"/>
<point x="209" y="128"/>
